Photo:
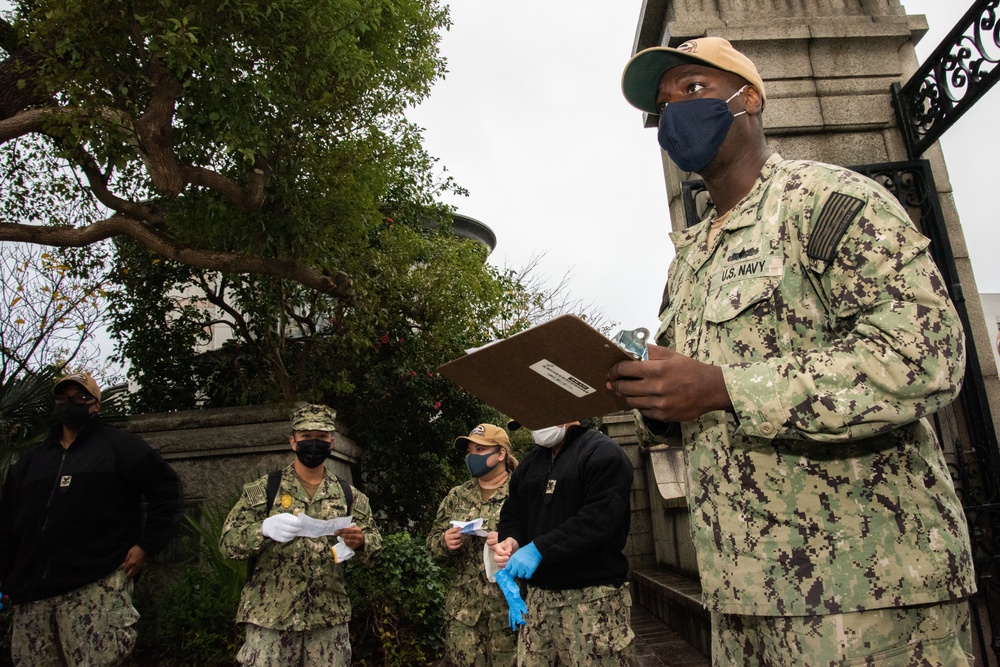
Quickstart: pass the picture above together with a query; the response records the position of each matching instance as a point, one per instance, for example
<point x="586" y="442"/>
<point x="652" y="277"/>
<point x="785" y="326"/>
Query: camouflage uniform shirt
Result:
<point x="471" y="592"/>
<point x="297" y="585"/>
<point x="825" y="490"/>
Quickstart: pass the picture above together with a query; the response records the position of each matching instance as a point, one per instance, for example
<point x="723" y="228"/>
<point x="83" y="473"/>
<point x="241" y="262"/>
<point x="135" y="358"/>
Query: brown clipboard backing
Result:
<point x="551" y="374"/>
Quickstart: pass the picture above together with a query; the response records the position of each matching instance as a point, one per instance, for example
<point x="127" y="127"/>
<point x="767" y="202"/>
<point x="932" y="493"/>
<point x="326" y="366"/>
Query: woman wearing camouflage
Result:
<point x="476" y="612"/>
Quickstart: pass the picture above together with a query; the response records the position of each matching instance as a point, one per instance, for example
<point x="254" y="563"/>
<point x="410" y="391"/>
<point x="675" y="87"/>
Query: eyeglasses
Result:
<point x="79" y="399"/>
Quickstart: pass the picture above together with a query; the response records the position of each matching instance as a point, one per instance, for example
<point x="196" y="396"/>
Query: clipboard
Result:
<point x="553" y="373"/>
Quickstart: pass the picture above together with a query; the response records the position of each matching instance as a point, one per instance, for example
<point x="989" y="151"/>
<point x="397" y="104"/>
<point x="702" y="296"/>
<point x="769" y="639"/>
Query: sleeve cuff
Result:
<point x="756" y="398"/>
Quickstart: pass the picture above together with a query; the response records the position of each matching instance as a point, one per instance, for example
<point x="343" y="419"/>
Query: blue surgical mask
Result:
<point x="691" y="132"/>
<point x="477" y="465"/>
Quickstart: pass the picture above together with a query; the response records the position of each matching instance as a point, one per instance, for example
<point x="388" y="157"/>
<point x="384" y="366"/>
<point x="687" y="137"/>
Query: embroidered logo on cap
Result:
<point x="479" y="430"/>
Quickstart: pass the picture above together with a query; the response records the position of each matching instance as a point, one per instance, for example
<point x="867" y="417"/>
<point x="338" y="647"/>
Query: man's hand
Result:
<point x="524" y="562"/>
<point x="453" y="538"/>
<point x="353" y="537"/>
<point x="135" y="561"/>
<point x="669" y="386"/>
<point x="501" y="550"/>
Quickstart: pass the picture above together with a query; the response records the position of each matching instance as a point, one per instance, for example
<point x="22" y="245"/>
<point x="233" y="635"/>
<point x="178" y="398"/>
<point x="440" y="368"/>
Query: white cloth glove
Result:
<point x="282" y="527"/>
<point x="341" y="551"/>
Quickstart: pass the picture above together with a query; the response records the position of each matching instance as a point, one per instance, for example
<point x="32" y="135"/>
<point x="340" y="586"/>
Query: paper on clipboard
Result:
<point x="553" y="373"/>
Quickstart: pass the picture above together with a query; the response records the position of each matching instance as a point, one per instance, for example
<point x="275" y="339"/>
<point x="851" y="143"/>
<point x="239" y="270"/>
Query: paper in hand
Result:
<point x="474" y="527"/>
<point x="318" y="527"/>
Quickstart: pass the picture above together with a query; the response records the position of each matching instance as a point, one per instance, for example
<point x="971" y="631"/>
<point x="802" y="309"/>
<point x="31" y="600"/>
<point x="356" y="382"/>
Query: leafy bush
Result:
<point x="398" y="605"/>
<point x="188" y="608"/>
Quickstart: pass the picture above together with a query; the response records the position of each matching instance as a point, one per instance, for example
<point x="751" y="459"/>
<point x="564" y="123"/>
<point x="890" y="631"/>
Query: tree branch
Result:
<point x="23" y="123"/>
<point x="247" y="199"/>
<point x="335" y="284"/>
<point x="216" y="298"/>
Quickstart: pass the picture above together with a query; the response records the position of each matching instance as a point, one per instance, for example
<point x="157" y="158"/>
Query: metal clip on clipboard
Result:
<point x="634" y="342"/>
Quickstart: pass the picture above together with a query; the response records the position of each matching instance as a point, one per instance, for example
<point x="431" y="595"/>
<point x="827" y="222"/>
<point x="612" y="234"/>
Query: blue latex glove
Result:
<point x="524" y="562"/>
<point x="516" y="609"/>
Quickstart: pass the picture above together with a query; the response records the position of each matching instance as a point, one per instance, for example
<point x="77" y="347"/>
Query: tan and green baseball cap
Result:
<point x="641" y="78"/>
<point x="486" y="435"/>
<point x="312" y="417"/>
<point x="85" y="380"/>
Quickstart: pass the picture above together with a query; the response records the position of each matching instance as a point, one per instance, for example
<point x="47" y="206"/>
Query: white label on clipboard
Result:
<point x="550" y="371"/>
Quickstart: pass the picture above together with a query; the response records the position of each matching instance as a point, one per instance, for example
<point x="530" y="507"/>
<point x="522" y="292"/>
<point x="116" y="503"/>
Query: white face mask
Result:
<point x="549" y="437"/>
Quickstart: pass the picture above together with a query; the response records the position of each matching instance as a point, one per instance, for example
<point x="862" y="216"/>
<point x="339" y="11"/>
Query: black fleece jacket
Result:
<point x="575" y="508"/>
<point x="69" y="516"/>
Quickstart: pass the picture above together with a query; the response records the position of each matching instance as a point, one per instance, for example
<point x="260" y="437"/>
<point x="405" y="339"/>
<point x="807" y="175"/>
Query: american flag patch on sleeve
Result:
<point x="255" y="494"/>
<point x="838" y="212"/>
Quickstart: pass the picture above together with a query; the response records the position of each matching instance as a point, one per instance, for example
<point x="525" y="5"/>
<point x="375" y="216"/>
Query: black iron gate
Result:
<point x="973" y="456"/>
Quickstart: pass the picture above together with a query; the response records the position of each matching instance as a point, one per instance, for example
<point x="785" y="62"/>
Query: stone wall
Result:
<point x="639" y="548"/>
<point x="216" y="451"/>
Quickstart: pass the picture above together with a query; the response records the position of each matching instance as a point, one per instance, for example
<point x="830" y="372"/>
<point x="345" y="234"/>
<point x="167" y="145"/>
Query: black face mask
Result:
<point x="71" y="414"/>
<point x="312" y="453"/>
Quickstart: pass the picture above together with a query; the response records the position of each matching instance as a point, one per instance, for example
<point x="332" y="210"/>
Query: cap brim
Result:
<point x="314" y="426"/>
<point x="641" y="78"/>
<point x="461" y="443"/>
<point x="55" y="389"/>
<point x="513" y="425"/>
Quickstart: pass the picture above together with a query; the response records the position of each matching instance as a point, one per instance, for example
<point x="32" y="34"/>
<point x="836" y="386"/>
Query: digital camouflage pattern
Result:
<point x="826" y="490"/>
<point x="476" y="631"/>
<point x="314" y="417"/>
<point x="330" y="647"/>
<point x="578" y="627"/>
<point x="297" y="585"/>
<point x="920" y="636"/>
<point x="91" y="626"/>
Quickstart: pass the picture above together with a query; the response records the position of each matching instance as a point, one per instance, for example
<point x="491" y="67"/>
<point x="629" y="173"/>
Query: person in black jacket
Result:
<point x="71" y="534"/>
<point x="562" y="529"/>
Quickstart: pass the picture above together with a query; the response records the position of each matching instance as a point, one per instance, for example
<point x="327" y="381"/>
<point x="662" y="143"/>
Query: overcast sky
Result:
<point x="532" y="121"/>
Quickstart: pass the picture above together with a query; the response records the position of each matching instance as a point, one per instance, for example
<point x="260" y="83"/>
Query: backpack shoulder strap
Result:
<point x="273" y="484"/>
<point x="348" y="494"/>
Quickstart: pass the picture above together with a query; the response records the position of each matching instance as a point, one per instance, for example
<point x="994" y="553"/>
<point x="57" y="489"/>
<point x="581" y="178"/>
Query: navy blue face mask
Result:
<point x="691" y="132"/>
<point x="477" y="463"/>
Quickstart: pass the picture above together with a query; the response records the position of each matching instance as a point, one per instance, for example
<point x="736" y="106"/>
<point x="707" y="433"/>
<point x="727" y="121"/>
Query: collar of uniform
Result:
<point x="292" y="482"/>
<point x="736" y="219"/>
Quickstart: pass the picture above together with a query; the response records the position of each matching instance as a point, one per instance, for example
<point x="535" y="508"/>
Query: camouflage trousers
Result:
<point x="488" y="643"/>
<point x="93" y="625"/>
<point x="924" y="635"/>
<point x="330" y="647"/>
<point x="583" y="627"/>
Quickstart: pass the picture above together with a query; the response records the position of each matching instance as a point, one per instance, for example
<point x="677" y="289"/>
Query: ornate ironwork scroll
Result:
<point x="961" y="69"/>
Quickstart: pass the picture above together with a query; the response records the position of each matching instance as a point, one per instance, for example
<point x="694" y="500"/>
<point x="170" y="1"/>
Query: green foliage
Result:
<point x="429" y="297"/>
<point x="308" y="94"/>
<point x="25" y="414"/>
<point x="398" y="605"/>
<point x="188" y="608"/>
